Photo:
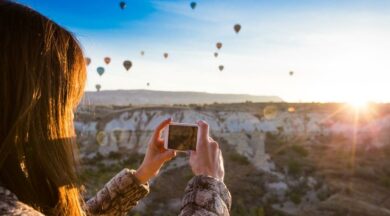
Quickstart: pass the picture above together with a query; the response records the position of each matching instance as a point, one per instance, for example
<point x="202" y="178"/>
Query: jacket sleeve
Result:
<point x="206" y="196"/>
<point x="118" y="196"/>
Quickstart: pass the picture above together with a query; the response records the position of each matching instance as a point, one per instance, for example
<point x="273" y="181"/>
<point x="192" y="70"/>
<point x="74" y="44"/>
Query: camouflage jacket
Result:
<point x="203" y="196"/>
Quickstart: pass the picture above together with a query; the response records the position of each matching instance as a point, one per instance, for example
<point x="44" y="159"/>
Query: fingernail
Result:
<point x="201" y="122"/>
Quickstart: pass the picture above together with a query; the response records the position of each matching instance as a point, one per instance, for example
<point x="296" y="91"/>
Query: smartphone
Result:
<point x="181" y="137"/>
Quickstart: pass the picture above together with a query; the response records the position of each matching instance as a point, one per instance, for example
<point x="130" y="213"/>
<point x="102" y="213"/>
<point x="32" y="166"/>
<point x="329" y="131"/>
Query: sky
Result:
<point x="339" y="50"/>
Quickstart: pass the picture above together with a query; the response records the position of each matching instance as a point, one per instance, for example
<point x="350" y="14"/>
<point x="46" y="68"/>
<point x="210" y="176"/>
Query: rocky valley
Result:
<point x="280" y="158"/>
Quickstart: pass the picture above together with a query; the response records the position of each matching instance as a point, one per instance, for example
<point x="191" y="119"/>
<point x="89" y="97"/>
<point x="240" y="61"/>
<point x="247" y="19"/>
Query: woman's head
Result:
<point x="42" y="77"/>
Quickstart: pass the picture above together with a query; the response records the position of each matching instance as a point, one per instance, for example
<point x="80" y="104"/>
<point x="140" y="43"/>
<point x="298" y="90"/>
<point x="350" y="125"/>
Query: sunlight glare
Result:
<point x="358" y="103"/>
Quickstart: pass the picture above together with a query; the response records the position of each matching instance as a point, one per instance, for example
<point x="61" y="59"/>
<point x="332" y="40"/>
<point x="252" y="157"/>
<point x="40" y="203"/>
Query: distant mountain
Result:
<point x="147" y="97"/>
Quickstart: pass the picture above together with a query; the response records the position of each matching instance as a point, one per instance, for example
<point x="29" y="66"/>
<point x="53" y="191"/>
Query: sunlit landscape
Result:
<point x="296" y="93"/>
<point x="281" y="158"/>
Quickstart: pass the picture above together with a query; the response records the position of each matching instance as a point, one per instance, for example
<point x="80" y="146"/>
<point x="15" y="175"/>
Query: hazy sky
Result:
<point x="339" y="50"/>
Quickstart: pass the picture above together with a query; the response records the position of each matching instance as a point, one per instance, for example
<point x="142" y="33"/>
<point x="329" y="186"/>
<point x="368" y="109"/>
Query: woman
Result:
<point x="42" y="77"/>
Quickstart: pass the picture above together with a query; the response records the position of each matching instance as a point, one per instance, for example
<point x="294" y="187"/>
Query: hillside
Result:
<point x="315" y="159"/>
<point x="148" y="97"/>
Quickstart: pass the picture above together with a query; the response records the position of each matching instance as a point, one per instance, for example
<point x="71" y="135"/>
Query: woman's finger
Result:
<point x="167" y="155"/>
<point x="160" y="143"/>
<point x="192" y="155"/>
<point x="222" y="170"/>
<point x="159" y="129"/>
<point x="213" y="151"/>
<point x="203" y="132"/>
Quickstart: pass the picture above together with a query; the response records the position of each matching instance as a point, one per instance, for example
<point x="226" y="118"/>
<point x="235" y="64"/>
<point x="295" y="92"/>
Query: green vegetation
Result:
<point x="295" y="198"/>
<point x="297" y="192"/>
<point x="300" y="150"/>
<point x="188" y="176"/>
<point x="240" y="159"/>
<point x="114" y="155"/>
<point x="385" y="181"/>
<point x="240" y="209"/>
<point x="290" y="153"/>
<point x="322" y="195"/>
<point x="294" y="167"/>
<point x="244" y="211"/>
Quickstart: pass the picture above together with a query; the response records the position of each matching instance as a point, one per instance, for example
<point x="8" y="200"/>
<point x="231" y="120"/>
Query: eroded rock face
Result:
<point x="244" y="131"/>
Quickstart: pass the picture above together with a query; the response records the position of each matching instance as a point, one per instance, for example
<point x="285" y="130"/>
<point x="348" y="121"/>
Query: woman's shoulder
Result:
<point x="10" y="205"/>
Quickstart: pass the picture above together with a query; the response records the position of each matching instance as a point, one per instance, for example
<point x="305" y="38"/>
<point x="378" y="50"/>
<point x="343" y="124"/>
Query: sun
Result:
<point x="358" y="103"/>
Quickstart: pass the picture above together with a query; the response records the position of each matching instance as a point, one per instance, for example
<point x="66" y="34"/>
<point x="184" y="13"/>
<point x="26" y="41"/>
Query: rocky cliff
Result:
<point x="279" y="141"/>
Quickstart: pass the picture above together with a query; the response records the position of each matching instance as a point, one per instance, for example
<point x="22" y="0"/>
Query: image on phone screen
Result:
<point x="182" y="137"/>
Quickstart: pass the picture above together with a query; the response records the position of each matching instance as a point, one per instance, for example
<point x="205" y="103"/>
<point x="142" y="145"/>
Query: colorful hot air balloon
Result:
<point x="221" y="67"/>
<point x="237" y="28"/>
<point x="107" y="60"/>
<point x="193" y="5"/>
<point x="98" y="87"/>
<point x="219" y="45"/>
<point x="291" y="73"/>
<point x="122" y="5"/>
<point x="87" y="61"/>
<point x="165" y="55"/>
<point x="215" y="54"/>
<point x="100" y="70"/>
<point x="127" y="64"/>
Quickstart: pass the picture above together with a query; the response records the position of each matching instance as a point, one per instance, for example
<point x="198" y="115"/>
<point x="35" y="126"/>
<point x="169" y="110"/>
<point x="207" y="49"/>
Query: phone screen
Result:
<point x="182" y="137"/>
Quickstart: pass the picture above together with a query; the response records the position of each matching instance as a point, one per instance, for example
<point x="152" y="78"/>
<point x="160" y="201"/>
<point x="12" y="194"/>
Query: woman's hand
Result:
<point x="156" y="155"/>
<point x="207" y="159"/>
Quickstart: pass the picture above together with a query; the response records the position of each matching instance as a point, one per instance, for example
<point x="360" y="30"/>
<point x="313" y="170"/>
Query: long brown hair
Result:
<point x="42" y="78"/>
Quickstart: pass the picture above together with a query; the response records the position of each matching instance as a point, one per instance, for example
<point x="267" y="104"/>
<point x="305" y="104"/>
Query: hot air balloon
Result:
<point x="193" y="5"/>
<point x="127" y="64"/>
<point x="237" y="28"/>
<point x="215" y="54"/>
<point x="122" y="5"/>
<point x="98" y="87"/>
<point x="107" y="60"/>
<point x="100" y="70"/>
<point x="142" y="53"/>
<point x="221" y="67"/>
<point x="165" y="55"/>
<point x="147" y="84"/>
<point x="219" y="45"/>
<point x="87" y="61"/>
<point x="291" y="73"/>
